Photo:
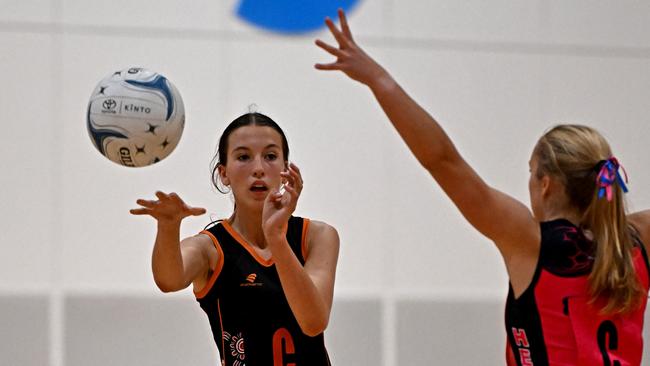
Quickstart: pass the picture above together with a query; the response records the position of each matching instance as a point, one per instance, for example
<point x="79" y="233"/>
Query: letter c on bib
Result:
<point x="281" y="336"/>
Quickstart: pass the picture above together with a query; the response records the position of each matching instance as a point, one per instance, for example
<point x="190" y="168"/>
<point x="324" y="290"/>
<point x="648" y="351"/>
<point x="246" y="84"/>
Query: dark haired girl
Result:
<point x="265" y="278"/>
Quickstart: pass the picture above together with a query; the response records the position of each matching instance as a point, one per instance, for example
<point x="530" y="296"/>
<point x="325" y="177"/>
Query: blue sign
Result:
<point x="291" y="16"/>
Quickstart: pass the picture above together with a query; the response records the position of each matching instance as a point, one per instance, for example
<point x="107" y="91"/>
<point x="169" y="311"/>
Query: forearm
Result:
<point x="166" y="260"/>
<point x="305" y="300"/>
<point x="423" y="135"/>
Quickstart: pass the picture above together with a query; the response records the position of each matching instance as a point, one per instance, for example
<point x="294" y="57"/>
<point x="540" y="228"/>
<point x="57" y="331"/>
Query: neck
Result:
<point x="248" y="223"/>
<point x="554" y="214"/>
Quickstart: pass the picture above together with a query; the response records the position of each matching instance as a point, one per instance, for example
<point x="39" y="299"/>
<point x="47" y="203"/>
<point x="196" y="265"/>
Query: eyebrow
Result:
<point x="269" y="146"/>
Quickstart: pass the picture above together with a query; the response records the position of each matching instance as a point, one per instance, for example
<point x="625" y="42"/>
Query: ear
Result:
<point x="222" y="175"/>
<point x="545" y="186"/>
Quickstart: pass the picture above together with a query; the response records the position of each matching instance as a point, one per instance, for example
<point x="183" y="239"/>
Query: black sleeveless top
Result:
<point x="250" y="317"/>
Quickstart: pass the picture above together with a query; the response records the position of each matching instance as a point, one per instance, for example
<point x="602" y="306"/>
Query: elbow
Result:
<point x="432" y="158"/>
<point x="166" y="289"/>
<point x="314" y="327"/>
<point x="168" y="286"/>
<point x="428" y="164"/>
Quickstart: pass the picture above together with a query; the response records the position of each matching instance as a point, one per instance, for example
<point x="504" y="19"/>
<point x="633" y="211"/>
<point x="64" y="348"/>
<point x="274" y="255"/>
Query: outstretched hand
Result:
<point x="350" y="58"/>
<point x="167" y="208"/>
<point x="278" y="205"/>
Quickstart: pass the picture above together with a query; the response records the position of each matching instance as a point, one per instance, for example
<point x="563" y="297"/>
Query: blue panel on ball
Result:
<point x="158" y="83"/>
<point x="291" y="16"/>
<point x="99" y="135"/>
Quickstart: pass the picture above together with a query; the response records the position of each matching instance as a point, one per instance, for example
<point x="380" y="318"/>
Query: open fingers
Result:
<point x="293" y="194"/>
<point x="174" y="196"/>
<point x="295" y="167"/>
<point x="140" y="211"/>
<point x="196" y="211"/>
<point x="294" y="187"/>
<point x="328" y="67"/>
<point x="292" y="174"/>
<point x="344" y="25"/>
<point x="275" y="196"/>
<point x="297" y="177"/>
<point x="291" y="180"/>
<point x="340" y="37"/>
<point x="170" y="197"/>
<point x="146" y="203"/>
<point x="329" y="49"/>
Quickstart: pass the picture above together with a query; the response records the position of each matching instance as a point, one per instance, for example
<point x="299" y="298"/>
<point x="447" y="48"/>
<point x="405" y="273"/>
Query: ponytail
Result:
<point x="581" y="159"/>
<point x="613" y="276"/>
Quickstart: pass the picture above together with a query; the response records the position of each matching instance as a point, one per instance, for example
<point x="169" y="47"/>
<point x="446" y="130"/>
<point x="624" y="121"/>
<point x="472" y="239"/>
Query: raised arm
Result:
<point x="491" y="212"/>
<point x="175" y="263"/>
<point x="309" y="289"/>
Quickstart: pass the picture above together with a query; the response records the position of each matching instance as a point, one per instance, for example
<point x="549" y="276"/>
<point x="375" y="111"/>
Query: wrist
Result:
<point x="382" y="82"/>
<point x="169" y="224"/>
<point x="275" y="237"/>
<point x="280" y="248"/>
<point x="274" y="231"/>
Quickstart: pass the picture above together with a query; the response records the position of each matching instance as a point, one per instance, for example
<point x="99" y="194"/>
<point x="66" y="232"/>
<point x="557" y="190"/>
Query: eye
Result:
<point x="271" y="156"/>
<point x="243" y="157"/>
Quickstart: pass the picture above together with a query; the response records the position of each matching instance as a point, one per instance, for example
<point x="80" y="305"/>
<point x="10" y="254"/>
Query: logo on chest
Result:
<point x="250" y="281"/>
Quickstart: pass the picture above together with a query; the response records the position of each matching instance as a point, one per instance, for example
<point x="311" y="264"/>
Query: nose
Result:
<point x="258" y="168"/>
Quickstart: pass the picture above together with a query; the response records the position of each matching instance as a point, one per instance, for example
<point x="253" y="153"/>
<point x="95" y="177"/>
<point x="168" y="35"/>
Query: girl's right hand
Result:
<point x="350" y="58"/>
<point x="168" y="208"/>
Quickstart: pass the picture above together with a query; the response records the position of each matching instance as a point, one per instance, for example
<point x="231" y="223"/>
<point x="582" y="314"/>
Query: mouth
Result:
<point x="259" y="187"/>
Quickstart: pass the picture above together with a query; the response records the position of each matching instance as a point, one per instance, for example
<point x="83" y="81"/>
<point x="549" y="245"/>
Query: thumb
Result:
<point x="196" y="211"/>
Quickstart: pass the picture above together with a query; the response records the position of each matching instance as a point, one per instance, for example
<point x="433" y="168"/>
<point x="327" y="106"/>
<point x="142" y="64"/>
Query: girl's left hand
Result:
<point x="279" y="206"/>
<point x="350" y="58"/>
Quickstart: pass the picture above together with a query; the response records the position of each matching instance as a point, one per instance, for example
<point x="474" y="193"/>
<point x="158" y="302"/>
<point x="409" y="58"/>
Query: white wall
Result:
<point x="75" y="280"/>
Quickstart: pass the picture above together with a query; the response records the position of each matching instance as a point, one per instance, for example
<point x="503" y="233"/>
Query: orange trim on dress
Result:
<point x="223" y="346"/>
<point x="238" y="238"/>
<point x="217" y="270"/>
<point x="303" y="240"/>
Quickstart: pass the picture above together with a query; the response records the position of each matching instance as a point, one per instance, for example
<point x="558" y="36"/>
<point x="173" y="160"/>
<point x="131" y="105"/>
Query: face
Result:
<point x="535" y="188"/>
<point x="254" y="163"/>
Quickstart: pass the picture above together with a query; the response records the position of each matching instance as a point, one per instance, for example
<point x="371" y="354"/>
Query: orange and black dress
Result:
<point x="250" y="317"/>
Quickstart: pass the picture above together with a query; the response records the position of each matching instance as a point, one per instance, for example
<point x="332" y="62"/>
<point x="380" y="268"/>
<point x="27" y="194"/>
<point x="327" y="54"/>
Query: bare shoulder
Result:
<point x="322" y="238"/>
<point x="200" y="245"/>
<point x="319" y="230"/>
<point x="322" y="248"/>
<point x="199" y="240"/>
<point x="641" y="222"/>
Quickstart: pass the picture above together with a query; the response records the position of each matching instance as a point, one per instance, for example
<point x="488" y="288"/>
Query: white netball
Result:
<point x="135" y="117"/>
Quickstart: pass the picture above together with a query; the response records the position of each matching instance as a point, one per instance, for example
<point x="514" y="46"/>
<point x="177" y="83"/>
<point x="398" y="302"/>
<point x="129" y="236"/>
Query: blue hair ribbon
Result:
<point x="608" y="175"/>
